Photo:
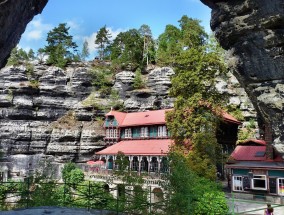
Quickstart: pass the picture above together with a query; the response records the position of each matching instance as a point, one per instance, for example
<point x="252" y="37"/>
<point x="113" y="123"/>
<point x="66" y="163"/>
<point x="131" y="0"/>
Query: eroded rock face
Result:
<point x="14" y="16"/>
<point x="252" y="32"/>
<point x="41" y="112"/>
<point x="153" y="96"/>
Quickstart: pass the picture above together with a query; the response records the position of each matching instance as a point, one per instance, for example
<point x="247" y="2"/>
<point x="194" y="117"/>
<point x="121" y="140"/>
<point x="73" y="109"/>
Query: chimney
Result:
<point x="268" y="139"/>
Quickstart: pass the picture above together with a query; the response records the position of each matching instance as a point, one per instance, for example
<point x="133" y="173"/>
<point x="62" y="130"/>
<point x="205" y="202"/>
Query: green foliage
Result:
<point x="60" y="48"/>
<point x="102" y="81"/>
<point x="169" y="46"/>
<point x="85" y="50"/>
<point x="94" y="195"/>
<point x="198" y="104"/>
<point x="187" y="191"/>
<point x="34" y="84"/>
<point x="247" y="132"/>
<point x="31" y="54"/>
<point x="127" y="49"/>
<point x="235" y="112"/>
<point x="41" y="55"/>
<point x="212" y="203"/>
<point x="138" y="82"/>
<point x="148" y="44"/>
<point x="72" y="175"/>
<point x="76" y="176"/>
<point x="102" y="40"/>
<point x="17" y="57"/>
<point x="115" y="102"/>
<point x="66" y="171"/>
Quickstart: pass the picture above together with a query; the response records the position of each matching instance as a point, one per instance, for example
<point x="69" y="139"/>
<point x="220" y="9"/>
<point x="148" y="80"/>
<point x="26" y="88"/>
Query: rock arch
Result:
<point x="251" y="30"/>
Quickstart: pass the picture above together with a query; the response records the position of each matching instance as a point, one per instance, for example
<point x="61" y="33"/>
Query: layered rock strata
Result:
<point x="154" y="95"/>
<point x="252" y="32"/>
<point x="41" y="112"/>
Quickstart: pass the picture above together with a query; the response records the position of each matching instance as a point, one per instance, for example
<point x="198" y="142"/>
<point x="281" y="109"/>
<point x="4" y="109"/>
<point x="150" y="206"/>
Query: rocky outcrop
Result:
<point x="41" y="112"/>
<point x="252" y="32"/>
<point x="153" y="96"/>
<point x="14" y="16"/>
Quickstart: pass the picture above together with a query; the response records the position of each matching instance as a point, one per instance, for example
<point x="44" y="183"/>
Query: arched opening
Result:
<point x="144" y="164"/>
<point x="164" y="165"/>
<point x="154" y="165"/>
<point x="110" y="163"/>
<point x="135" y="164"/>
<point x="158" y="195"/>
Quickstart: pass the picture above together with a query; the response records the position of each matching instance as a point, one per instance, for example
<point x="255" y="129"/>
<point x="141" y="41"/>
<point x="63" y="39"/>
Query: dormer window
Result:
<point x="128" y="133"/>
<point x="111" y="133"/>
<point x="144" y="132"/>
<point x="162" y="131"/>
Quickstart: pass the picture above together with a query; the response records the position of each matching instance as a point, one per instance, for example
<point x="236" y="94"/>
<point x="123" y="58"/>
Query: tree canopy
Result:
<point x="61" y="48"/>
<point x="198" y="104"/>
<point x="102" y="40"/>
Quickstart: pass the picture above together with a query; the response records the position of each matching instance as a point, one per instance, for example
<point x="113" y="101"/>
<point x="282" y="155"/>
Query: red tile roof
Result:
<point x="139" y="147"/>
<point x="248" y="153"/>
<point x="152" y="117"/>
<point x="119" y="116"/>
<point x="229" y="118"/>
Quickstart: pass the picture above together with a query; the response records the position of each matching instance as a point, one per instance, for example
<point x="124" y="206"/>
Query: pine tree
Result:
<point x="148" y="44"/>
<point x="138" y="82"/>
<point x="60" y="48"/>
<point x="85" y="50"/>
<point x="102" y="40"/>
<point x="31" y="54"/>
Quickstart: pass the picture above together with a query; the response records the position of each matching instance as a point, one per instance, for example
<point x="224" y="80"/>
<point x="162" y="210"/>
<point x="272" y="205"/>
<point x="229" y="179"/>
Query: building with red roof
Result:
<point x="144" y="139"/>
<point x="252" y="171"/>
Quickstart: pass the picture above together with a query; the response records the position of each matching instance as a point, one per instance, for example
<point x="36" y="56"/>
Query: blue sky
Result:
<point x="86" y="17"/>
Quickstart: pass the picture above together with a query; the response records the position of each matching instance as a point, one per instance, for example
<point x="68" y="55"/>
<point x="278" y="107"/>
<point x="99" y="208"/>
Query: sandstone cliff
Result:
<point x="252" y="32"/>
<point x="14" y="16"/>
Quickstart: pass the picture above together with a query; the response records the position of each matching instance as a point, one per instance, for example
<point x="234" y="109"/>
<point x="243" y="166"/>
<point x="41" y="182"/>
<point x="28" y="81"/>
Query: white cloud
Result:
<point x="37" y="29"/>
<point x="73" y="25"/>
<point x="91" y="39"/>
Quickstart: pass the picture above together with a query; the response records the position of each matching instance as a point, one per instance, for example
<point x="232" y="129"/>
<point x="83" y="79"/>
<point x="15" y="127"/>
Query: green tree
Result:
<point x="169" y="46"/>
<point x="148" y="44"/>
<point x="31" y="54"/>
<point x="17" y="56"/>
<point x="60" y="48"/>
<point x="193" y="34"/>
<point x="41" y="55"/>
<point x="187" y="193"/>
<point x="85" y="50"/>
<point x="198" y="105"/>
<point x="102" y="40"/>
<point x="138" y="82"/>
<point x="127" y="49"/>
<point x="66" y="171"/>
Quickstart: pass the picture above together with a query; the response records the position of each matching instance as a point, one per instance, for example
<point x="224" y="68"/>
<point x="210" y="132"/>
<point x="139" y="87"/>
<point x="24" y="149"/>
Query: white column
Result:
<point x="139" y="164"/>
<point x="130" y="162"/>
<point x="149" y="162"/>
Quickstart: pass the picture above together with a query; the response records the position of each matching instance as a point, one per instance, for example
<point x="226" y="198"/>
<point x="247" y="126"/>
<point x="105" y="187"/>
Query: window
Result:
<point x="111" y="133"/>
<point x="115" y="133"/>
<point x="259" y="182"/>
<point x="128" y="133"/>
<point x="162" y="131"/>
<point x="281" y="186"/>
<point x="237" y="183"/>
<point x="144" y="132"/>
